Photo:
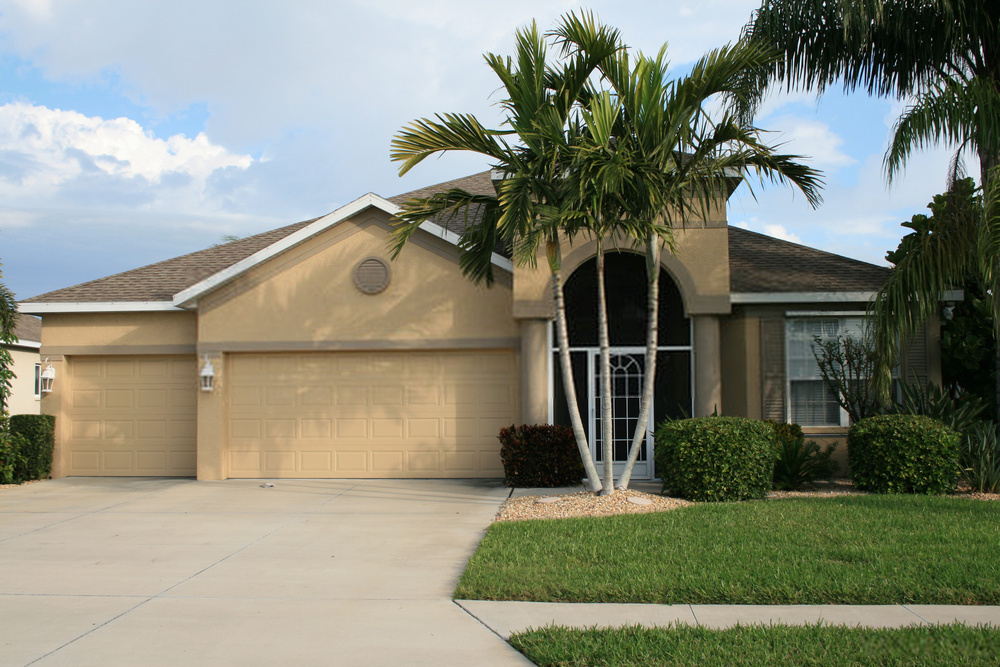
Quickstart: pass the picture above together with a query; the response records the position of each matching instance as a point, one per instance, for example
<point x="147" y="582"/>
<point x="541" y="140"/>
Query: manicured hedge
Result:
<point x="903" y="454"/>
<point x="26" y="450"/>
<point x="540" y="455"/>
<point x="715" y="458"/>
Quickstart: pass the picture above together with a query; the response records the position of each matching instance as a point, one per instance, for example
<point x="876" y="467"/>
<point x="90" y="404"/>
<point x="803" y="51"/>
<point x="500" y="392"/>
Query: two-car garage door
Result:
<point x="369" y="414"/>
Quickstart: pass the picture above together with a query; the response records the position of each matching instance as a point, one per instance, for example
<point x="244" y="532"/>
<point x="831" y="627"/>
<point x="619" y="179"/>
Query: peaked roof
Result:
<point x="758" y="263"/>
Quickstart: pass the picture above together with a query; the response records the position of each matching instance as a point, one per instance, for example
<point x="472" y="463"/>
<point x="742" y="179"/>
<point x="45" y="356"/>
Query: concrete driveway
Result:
<point x="104" y="571"/>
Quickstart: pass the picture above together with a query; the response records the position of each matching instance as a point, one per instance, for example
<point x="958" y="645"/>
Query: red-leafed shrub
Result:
<point x="540" y="455"/>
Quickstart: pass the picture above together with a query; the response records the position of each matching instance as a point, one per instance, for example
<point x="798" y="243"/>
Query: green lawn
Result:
<point x="841" y="550"/>
<point x="749" y="646"/>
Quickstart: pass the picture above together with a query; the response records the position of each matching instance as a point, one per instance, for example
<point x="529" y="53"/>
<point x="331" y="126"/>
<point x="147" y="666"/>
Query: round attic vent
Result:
<point x="372" y="275"/>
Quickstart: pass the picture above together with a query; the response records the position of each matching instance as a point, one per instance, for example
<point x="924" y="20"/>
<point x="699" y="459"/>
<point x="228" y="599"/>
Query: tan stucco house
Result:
<point x="330" y="360"/>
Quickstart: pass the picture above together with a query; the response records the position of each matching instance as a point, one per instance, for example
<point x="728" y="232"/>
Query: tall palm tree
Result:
<point x="654" y="159"/>
<point x="943" y="58"/>
<point x="532" y="206"/>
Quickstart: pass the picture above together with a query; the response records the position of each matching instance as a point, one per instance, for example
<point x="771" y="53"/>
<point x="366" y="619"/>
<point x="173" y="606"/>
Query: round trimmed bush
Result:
<point x="903" y="454"/>
<point x="715" y="458"/>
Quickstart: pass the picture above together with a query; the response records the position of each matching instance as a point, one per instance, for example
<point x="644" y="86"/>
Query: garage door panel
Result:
<point x="362" y="414"/>
<point x="131" y="416"/>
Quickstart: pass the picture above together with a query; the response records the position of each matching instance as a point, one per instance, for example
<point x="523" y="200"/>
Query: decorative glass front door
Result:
<point x="627" y="367"/>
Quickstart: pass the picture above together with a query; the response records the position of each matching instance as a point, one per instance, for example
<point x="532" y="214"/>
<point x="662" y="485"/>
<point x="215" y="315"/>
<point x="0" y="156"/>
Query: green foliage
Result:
<point x="979" y="457"/>
<point x="903" y="454"/>
<point x="8" y="321"/>
<point x="934" y="402"/>
<point x="12" y="457"/>
<point x="969" y="348"/>
<point x="540" y="455"/>
<point x="38" y="439"/>
<point x="847" y="366"/>
<point x="715" y="458"/>
<point x="799" y="462"/>
<point x="827" y="645"/>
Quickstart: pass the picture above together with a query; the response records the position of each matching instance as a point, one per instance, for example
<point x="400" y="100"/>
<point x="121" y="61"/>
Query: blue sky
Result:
<point x="135" y="132"/>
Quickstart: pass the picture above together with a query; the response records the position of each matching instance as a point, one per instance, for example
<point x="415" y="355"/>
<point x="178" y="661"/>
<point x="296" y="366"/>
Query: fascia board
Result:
<point x="799" y="297"/>
<point x="745" y="298"/>
<point x="188" y="297"/>
<point x="40" y="308"/>
<point x="25" y="343"/>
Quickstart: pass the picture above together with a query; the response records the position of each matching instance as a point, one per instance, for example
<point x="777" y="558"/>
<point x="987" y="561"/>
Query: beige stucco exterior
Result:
<point x="306" y="299"/>
<point x="22" y="399"/>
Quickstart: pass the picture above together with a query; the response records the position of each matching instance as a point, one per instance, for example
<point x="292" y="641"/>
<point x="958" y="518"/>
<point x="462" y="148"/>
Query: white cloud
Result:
<point x="812" y="139"/>
<point x="779" y="232"/>
<point x="63" y="144"/>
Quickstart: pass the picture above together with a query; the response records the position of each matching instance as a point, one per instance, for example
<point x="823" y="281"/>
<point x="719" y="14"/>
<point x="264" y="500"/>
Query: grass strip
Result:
<point x="841" y="550"/>
<point x="748" y="646"/>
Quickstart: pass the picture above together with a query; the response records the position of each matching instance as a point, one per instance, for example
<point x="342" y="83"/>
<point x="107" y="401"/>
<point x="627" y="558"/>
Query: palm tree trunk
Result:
<point x="555" y="265"/>
<point x="604" y="340"/>
<point x="649" y="370"/>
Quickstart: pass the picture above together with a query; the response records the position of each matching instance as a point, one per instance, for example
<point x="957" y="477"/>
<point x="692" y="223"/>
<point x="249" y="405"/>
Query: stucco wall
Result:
<point x="699" y="266"/>
<point x="119" y="333"/>
<point x="306" y="298"/>
<point x="22" y="399"/>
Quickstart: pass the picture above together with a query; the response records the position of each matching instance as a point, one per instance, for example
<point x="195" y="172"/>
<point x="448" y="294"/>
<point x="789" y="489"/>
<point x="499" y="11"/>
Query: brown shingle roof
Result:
<point x="160" y="281"/>
<point x="28" y="329"/>
<point x="759" y="263"/>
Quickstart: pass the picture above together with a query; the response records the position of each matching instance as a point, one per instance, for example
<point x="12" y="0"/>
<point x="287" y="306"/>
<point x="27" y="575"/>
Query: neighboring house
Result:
<point x="330" y="360"/>
<point x="25" y="392"/>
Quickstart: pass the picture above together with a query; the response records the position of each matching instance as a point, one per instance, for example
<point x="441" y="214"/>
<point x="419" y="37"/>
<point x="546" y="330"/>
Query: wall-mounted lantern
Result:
<point x="207" y="375"/>
<point x="48" y="375"/>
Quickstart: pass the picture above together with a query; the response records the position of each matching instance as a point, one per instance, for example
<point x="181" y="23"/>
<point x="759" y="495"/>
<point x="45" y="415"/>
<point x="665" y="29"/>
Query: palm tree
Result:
<point x="654" y="159"/>
<point x="531" y="208"/>
<point x="626" y="163"/>
<point x="943" y="58"/>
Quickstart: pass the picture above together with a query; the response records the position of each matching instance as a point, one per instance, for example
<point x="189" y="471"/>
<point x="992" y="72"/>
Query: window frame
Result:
<point x="842" y="317"/>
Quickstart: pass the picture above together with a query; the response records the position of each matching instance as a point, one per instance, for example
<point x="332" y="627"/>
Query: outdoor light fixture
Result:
<point x="47" y="376"/>
<point x="207" y="375"/>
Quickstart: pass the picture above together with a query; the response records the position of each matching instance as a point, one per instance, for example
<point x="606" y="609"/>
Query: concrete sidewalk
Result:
<point x="507" y="618"/>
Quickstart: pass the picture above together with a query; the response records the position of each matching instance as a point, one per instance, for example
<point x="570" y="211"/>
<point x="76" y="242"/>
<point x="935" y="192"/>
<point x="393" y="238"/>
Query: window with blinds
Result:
<point x="811" y="403"/>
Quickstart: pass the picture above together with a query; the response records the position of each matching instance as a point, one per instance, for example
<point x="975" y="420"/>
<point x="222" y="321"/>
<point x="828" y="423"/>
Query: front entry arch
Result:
<point x="625" y="280"/>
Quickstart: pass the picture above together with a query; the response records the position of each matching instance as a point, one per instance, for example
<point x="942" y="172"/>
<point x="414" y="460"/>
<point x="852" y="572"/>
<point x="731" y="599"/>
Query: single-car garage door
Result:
<point x="365" y="414"/>
<point x="131" y="415"/>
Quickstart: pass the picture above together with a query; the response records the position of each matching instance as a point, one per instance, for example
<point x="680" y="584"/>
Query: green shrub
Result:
<point x="903" y="454"/>
<point x="715" y="458"/>
<point x="39" y="435"/>
<point x="979" y="457"/>
<point x="540" y="455"/>
<point x="799" y="462"/>
<point x="12" y="458"/>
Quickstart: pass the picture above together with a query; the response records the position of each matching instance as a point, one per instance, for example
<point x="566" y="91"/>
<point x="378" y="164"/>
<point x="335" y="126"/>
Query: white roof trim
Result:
<point x="188" y="296"/>
<point x="40" y="308"/>
<point x="799" y="297"/>
<point x="25" y="343"/>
